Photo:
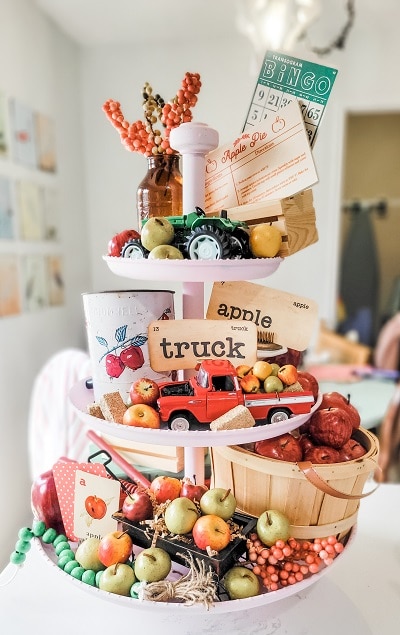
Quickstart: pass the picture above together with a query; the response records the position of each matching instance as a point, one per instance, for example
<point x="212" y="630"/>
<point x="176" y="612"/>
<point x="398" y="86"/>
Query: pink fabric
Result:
<point x="54" y="429"/>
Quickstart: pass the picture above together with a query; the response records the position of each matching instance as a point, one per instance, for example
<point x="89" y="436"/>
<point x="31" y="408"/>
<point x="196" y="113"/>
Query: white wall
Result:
<point x="40" y="67"/>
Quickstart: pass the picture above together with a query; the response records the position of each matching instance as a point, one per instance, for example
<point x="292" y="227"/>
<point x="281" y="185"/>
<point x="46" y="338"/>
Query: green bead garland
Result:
<point x="66" y="556"/>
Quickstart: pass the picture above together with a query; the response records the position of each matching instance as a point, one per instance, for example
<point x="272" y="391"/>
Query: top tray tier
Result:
<point x="193" y="270"/>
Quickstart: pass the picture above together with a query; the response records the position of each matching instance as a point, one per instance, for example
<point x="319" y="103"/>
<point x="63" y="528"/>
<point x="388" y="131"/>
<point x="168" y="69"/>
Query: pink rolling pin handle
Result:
<point x="132" y="472"/>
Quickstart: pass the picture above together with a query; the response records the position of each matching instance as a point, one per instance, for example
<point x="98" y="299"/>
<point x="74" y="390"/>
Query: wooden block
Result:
<point x="294" y="216"/>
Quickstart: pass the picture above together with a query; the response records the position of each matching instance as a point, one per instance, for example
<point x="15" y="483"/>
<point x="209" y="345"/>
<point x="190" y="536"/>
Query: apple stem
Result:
<point x="122" y="534"/>
<point x="228" y="491"/>
<point x="348" y="398"/>
<point x="269" y="521"/>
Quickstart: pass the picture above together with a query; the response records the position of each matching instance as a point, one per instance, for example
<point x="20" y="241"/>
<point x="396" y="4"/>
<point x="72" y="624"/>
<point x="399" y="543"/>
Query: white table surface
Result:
<point x="359" y="595"/>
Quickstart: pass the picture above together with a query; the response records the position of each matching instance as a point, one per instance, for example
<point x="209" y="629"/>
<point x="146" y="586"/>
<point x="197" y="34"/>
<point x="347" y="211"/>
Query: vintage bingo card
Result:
<point x="283" y="78"/>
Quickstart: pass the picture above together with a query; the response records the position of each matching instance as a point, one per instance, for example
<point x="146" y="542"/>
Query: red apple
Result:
<point x="142" y="416"/>
<point x="250" y="383"/>
<point x="308" y="382"/>
<point x="331" y="426"/>
<point x="191" y="490"/>
<point x="306" y="442"/>
<point x="165" y="488"/>
<point x="114" y="365"/>
<point x="114" y="547"/>
<point x="117" y="242"/>
<point x="337" y="400"/>
<point x="127" y="489"/>
<point x="132" y="357"/>
<point x="211" y="531"/>
<point x="285" y="447"/>
<point x="138" y="506"/>
<point x="322" y="454"/>
<point x="243" y="370"/>
<point x="288" y="374"/>
<point x="144" y="390"/>
<point x="351" y="450"/>
<point x="44" y="501"/>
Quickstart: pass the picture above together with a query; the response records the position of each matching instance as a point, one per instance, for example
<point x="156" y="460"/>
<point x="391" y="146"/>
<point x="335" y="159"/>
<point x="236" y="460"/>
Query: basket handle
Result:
<point x="311" y="475"/>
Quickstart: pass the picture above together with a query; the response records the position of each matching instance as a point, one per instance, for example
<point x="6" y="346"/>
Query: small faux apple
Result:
<point x="240" y="582"/>
<point x="152" y="564"/>
<point x="273" y="384"/>
<point x="157" y="231"/>
<point x="351" y="450"/>
<point x="306" y="442"/>
<point x="117" y="242"/>
<point x="274" y="369"/>
<point x="265" y="240"/>
<point x="250" y="383"/>
<point x="322" y="454"/>
<point x="330" y="426"/>
<point x="44" y="501"/>
<point x="144" y="390"/>
<point x="242" y="370"/>
<point x="180" y="515"/>
<point x="165" y="488"/>
<point x="262" y="369"/>
<point x="337" y="400"/>
<point x="138" y="506"/>
<point x="141" y="415"/>
<point x="114" y="547"/>
<point x="284" y="447"/>
<point x="165" y="252"/>
<point x="191" y="490"/>
<point x="288" y="374"/>
<point x="211" y="531"/>
<point x="218" y="501"/>
<point x="87" y="554"/>
<point x="272" y="525"/>
<point x="118" y="578"/>
<point x="308" y="382"/>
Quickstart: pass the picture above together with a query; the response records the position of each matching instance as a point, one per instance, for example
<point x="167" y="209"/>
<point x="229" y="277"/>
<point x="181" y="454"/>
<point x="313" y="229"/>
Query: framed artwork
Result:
<point x="56" y="280"/>
<point x="46" y="143"/>
<point x="34" y="282"/>
<point x="30" y="208"/>
<point x="10" y="302"/>
<point x="7" y="215"/>
<point x="3" y="126"/>
<point x="23" y="144"/>
<point x="50" y="214"/>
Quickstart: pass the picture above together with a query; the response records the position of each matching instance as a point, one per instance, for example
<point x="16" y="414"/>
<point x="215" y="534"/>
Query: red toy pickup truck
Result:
<point x="214" y="390"/>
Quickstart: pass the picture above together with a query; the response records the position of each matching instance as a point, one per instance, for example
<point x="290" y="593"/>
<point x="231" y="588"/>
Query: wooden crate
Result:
<point x="260" y="483"/>
<point x="294" y="216"/>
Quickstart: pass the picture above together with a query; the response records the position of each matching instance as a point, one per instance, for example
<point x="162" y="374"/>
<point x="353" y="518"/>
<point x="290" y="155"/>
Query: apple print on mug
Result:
<point x="116" y="328"/>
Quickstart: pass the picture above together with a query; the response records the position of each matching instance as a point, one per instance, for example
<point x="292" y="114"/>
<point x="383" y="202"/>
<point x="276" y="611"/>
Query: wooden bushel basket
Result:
<point x="260" y="483"/>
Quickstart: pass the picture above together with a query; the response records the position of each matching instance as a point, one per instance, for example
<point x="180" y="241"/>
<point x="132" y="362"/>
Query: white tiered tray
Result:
<point x="193" y="270"/>
<point x="81" y="397"/>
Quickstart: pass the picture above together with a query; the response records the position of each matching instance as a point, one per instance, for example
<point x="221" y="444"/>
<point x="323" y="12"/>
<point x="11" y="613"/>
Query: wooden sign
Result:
<point x="182" y="344"/>
<point x="280" y="317"/>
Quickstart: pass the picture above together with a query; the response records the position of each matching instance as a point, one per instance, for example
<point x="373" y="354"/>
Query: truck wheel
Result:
<point x="134" y="249"/>
<point x="208" y="243"/>
<point x="180" y="422"/>
<point x="278" y="415"/>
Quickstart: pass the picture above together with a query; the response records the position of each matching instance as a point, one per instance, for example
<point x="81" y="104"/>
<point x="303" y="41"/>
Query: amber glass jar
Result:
<point x="160" y="192"/>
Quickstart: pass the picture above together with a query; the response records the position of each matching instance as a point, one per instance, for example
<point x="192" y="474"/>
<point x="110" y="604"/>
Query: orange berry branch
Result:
<point x="143" y="136"/>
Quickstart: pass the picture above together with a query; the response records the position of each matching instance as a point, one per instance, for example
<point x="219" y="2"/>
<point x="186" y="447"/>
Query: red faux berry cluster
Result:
<point x="143" y="136"/>
<point x="289" y="562"/>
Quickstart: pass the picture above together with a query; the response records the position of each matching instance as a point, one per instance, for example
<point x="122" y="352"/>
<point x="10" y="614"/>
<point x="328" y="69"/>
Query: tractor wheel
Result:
<point x="208" y="243"/>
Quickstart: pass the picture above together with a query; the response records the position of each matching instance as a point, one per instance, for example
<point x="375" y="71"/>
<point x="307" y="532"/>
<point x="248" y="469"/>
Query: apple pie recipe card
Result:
<point x="272" y="162"/>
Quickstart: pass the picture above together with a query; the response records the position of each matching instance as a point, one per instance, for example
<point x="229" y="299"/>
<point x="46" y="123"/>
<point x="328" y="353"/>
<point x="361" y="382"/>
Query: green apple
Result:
<point x="117" y="579"/>
<point x="273" y="384"/>
<point x="272" y="525"/>
<point x="218" y="501"/>
<point x="240" y="582"/>
<point x="275" y="368"/>
<point x="152" y="564"/>
<point x="157" y="231"/>
<point x="165" y="252"/>
<point x="87" y="554"/>
<point x="180" y="515"/>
